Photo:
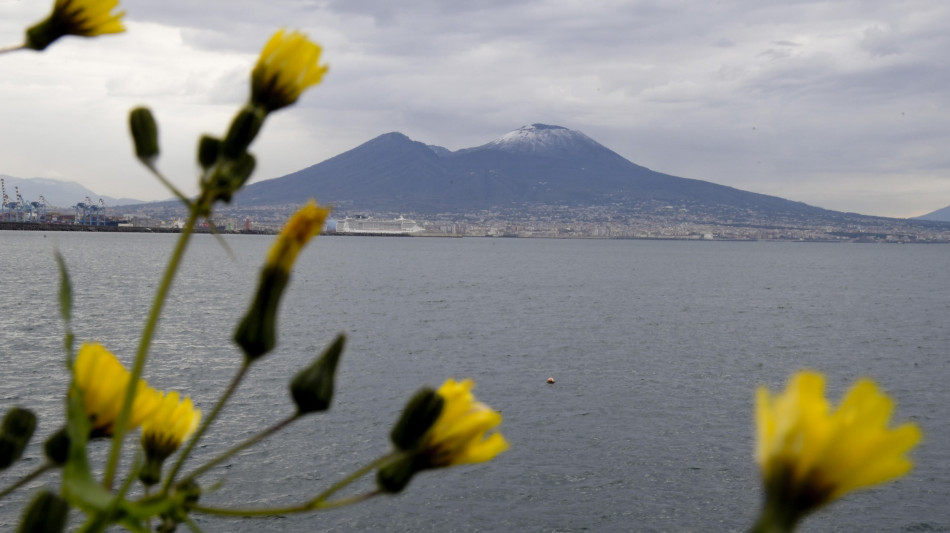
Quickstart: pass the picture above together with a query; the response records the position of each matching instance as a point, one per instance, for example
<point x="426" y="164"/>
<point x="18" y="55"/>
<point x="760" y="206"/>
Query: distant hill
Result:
<point x="940" y="215"/>
<point x="533" y="165"/>
<point x="58" y="193"/>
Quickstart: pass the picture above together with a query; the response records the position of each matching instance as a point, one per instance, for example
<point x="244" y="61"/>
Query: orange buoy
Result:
<point x="550" y="380"/>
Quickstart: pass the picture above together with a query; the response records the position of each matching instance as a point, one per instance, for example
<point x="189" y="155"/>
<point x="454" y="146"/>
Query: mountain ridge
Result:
<point x="58" y="193"/>
<point x="539" y="164"/>
<point x="940" y="215"/>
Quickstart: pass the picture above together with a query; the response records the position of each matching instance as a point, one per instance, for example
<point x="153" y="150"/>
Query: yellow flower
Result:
<point x="460" y="434"/>
<point x="289" y="63"/>
<point x="302" y="226"/>
<point x="86" y="18"/>
<point x="163" y="432"/>
<point x="103" y="382"/>
<point x="438" y="429"/>
<point x="811" y="455"/>
<point x="170" y="425"/>
<point x="256" y="334"/>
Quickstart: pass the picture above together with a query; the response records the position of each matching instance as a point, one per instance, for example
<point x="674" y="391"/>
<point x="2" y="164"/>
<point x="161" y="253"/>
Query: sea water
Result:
<point x="656" y="349"/>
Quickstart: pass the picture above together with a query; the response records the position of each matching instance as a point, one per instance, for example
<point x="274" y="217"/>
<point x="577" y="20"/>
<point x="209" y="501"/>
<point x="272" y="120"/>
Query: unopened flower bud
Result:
<point x="419" y="415"/>
<point x="240" y="170"/>
<point x="46" y="514"/>
<point x="230" y="176"/>
<point x="190" y="492"/>
<point x="144" y="134"/>
<point x="244" y="128"/>
<point x="257" y="332"/>
<point x="312" y="387"/>
<point x="18" y="426"/>
<point x="208" y="149"/>
<point x="394" y="477"/>
<point x="56" y="447"/>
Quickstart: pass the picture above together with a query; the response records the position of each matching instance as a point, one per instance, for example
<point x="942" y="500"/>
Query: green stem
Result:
<point x="352" y="477"/>
<point x="26" y="479"/>
<point x="120" y="495"/>
<point x="145" y="342"/>
<point x="319" y="502"/>
<point x="247" y="443"/>
<point x="296" y="509"/>
<point x="168" y="184"/>
<point x="204" y="425"/>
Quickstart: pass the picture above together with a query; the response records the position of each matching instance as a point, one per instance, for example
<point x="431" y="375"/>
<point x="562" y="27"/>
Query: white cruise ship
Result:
<point x="364" y="224"/>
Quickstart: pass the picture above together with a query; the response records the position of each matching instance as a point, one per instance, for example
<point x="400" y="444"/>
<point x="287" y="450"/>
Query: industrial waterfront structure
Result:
<point x="17" y="209"/>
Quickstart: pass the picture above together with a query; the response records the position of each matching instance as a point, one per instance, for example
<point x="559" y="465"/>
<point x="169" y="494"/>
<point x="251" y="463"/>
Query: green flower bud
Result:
<point x="18" y="426"/>
<point x="257" y="332"/>
<point x="420" y="413"/>
<point x="243" y="129"/>
<point x="312" y="387"/>
<point x="395" y="476"/>
<point x="56" y="447"/>
<point x="190" y="493"/>
<point x="230" y="176"/>
<point x="46" y="514"/>
<point x="240" y="170"/>
<point x="144" y="134"/>
<point x="208" y="150"/>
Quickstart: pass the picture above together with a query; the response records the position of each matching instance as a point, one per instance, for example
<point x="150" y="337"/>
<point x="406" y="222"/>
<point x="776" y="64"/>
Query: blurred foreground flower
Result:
<point x="289" y="63"/>
<point x="305" y="224"/>
<point x="163" y="432"/>
<point x="810" y="456"/>
<point x="85" y="18"/>
<point x="460" y="434"/>
<point x="103" y="381"/>
<point x="450" y="427"/>
<point x="257" y="332"/>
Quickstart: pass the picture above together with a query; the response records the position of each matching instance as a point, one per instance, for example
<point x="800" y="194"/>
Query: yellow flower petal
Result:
<point x="103" y="382"/>
<point x="85" y="18"/>
<point x="300" y="228"/>
<point x="810" y="454"/>
<point x="88" y="18"/>
<point x="170" y="425"/>
<point x="460" y="434"/>
<point x="289" y="63"/>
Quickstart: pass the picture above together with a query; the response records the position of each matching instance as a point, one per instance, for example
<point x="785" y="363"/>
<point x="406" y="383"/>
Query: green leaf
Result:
<point x="82" y="491"/>
<point x="79" y="487"/>
<point x="65" y="306"/>
<point x="65" y="289"/>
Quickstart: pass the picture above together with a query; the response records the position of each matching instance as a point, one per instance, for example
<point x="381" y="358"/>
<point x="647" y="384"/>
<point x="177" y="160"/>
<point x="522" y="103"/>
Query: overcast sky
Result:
<point x="840" y="104"/>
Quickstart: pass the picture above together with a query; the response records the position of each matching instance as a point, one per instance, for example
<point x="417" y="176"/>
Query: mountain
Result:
<point x="535" y="165"/>
<point x="56" y="192"/>
<point x="940" y="215"/>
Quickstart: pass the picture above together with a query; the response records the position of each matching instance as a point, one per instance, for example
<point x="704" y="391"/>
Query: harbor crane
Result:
<point x="20" y="210"/>
<point x="23" y="209"/>
<point x="38" y="210"/>
<point x="7" y="208"/>
<point x="10" y="210"/>
<point x="91" y="213"/>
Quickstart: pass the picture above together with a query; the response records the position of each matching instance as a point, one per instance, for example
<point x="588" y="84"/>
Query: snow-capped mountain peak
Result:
<point x="543" y="139"/>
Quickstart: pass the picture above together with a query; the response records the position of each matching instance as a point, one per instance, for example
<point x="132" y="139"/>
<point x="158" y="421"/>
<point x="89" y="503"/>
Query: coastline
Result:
<point x="45" y="226"/>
